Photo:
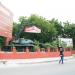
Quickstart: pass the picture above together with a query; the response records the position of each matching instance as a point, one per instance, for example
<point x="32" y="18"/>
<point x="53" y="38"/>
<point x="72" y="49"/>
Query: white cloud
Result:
<point x="60" y="9"/>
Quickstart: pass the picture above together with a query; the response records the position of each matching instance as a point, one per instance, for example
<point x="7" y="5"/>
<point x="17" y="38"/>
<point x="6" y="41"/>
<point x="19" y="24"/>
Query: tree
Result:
<point x="50" y="29"/>
<point x="58" y="26"/>
<point x="69" y="31"/>
<point x="19" y="27"/>
<point x="15" y="28"/>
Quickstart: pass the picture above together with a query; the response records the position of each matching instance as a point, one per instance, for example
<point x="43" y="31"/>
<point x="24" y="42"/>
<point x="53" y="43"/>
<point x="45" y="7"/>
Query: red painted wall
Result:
<point x="28" y="55"/>
<point x="73" y="51"/>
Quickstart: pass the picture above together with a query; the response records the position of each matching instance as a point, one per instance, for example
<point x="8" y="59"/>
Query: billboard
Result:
<point x="68" y="42"/>
<point x="6" y="22"/>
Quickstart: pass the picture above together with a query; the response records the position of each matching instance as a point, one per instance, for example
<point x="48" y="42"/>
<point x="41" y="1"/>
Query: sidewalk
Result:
<point x="35" y="60"/>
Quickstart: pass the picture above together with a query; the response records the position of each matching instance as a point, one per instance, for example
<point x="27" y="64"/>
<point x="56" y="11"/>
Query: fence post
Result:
<point x="14" y="49"/>
<point x="0" y="49"/>
<point x="57" y="50"/>
<point x="48" y="49"/>
<point x="38" y="49"/>
<point x="27" y="49"/>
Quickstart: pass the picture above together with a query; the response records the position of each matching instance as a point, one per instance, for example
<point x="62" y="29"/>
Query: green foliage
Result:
<point x="1" y="41"/>
<point x="69" y="31"/>
<point x="58" y="26"/>
<point x="24" y="21"/>
<point x="36" y="46"/>
<point x="54" y="44"/>
<point x="48" y="45"/>
<point x="50" y="29"/>
<point x="15" y="28"/>
<point x="43" y="49"/>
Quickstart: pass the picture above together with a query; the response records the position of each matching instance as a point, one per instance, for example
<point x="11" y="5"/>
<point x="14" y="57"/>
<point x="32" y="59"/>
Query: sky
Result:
<point x="62" y="10"/>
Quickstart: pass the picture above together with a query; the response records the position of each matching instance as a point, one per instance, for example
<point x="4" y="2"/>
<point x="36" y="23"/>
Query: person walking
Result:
<point x="61" y="55"/>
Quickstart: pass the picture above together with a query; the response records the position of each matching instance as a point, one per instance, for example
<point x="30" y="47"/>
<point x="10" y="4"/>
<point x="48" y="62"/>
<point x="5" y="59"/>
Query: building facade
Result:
<point x="6" y="23"/>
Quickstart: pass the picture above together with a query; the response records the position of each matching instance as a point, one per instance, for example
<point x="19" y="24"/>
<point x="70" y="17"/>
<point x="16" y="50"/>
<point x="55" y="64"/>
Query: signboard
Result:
<point x="32" y="29"/>
<point x="6" y="22"/>
<point x="66" y="42"/>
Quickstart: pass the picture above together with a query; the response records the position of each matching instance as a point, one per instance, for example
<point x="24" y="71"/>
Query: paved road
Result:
<point x="49" y="68"/>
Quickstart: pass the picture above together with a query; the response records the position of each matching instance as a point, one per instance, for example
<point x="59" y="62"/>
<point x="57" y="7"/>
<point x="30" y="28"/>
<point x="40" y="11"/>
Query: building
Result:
<point x="6" y="23"/>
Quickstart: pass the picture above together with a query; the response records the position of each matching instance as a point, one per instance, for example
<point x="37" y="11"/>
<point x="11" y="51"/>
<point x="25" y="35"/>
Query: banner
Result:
<point x="32" y="29"/>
